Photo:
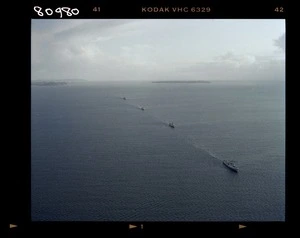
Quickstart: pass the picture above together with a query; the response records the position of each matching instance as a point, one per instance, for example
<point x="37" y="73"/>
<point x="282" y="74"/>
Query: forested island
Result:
<point x="182" y="81"/>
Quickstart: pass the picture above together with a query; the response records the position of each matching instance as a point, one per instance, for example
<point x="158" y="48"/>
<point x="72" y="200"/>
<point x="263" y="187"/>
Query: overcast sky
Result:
<point x="158" y="49"/>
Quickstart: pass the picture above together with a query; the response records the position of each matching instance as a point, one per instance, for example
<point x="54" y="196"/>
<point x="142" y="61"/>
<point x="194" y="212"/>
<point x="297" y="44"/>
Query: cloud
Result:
<point x="96" y="29"/>
<point x="118" y="50"/>
<point x="231" y="66"/>
<point x="235" y="59"/>
<point x="138" y="55"/>
<point x="280" y="42"/>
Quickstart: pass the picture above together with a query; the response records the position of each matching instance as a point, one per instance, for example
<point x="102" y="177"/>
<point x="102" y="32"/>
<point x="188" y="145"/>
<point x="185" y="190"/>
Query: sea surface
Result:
<point x="97" y="157"/>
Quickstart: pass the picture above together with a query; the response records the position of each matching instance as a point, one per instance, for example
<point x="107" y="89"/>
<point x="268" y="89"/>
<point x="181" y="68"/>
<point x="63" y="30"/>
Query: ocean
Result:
<point x="97" y="157"/>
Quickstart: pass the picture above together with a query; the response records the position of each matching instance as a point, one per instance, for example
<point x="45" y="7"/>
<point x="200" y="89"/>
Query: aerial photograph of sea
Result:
<point x="158" y="120"/>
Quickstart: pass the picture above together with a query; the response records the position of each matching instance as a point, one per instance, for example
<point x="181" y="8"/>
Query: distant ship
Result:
<point x="171" y="124"/>
<point x="142" y="108"/>
<point x="230" y="165"/>
<point x="124" y="98"/>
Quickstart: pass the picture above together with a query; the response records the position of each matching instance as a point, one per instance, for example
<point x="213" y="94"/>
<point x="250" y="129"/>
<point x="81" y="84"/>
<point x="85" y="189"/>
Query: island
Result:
<point x="55" y="82"/>
<point x="47" y="83"/>
<point x="182" y="81"/>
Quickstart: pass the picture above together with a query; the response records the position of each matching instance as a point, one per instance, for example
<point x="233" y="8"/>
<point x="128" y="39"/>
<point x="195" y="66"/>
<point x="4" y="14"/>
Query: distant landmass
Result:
<point x="47" y="83"/>
<point x="56" y="82"/>
<point x="182" y="81"/>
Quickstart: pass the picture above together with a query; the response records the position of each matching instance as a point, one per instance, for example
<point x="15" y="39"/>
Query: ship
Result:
<point x="230" y="165"/>
<point x="124" y="98"/>
<point x="142" y="108"/>
<point x="171" y="124"/>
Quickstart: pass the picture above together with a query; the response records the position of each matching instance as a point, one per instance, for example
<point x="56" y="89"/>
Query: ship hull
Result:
<point x="229" y="167"/>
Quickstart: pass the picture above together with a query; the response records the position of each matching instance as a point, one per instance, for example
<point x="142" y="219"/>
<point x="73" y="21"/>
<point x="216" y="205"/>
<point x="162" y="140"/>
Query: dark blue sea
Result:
<point x="97" y="157"/>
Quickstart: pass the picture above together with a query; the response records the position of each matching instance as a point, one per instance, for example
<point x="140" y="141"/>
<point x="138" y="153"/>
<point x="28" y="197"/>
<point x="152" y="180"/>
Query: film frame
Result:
<point x="20" y="215"/>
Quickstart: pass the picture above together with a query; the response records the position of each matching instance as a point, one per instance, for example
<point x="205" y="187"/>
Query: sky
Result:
<point x="158" y="49"/>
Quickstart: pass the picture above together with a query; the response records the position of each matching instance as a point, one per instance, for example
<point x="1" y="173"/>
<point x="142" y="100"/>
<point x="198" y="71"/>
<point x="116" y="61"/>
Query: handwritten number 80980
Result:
<point x="60" y="10"/>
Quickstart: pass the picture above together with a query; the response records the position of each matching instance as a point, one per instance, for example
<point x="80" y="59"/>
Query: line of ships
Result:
<point x="228" y="163"/>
